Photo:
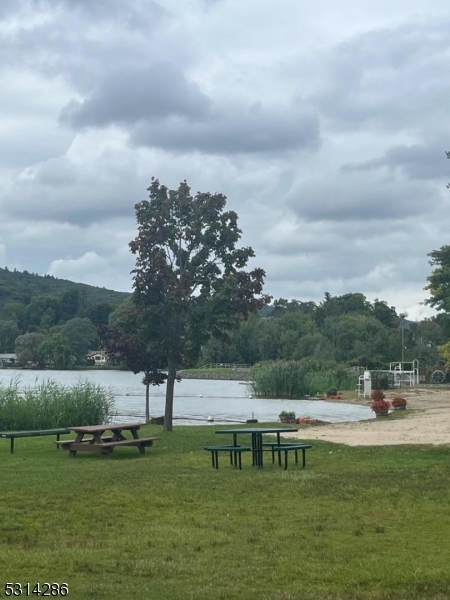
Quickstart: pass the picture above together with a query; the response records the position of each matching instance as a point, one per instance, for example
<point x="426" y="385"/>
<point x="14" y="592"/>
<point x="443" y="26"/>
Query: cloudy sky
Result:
<point x="324" y="123"/>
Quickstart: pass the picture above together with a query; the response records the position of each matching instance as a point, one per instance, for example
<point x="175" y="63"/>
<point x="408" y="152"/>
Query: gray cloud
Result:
<point x="418" y="161"/>
<point x="358" y="199"/>
<point x="239" y="131"/>
<point x="132" y="95"/>
<point x="161" y="108"/>
<point x="391" y="78"/>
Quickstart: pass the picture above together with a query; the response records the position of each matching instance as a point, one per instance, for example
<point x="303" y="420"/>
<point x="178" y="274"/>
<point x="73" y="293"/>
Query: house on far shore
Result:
<point x="7" y="360"/>
<point x="98" y="356"/>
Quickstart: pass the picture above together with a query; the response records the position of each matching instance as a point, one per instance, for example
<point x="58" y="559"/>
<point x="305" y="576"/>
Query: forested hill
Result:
<point x="49" y="319"/>
<point x="21" y="287"/>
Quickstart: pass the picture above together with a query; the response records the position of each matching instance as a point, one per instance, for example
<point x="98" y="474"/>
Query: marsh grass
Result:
<point x="290" y="379"/>
<point x="49" y="404"/>
<point x="356" y="524"/>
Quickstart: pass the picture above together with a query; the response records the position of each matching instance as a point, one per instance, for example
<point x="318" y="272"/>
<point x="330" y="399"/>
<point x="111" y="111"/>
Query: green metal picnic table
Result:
<point x="257" y="443"/>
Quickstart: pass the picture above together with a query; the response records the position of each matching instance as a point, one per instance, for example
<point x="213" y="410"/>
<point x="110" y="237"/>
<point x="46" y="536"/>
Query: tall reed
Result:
<point x="290" y="379"/>
<point x="50" y="404"/>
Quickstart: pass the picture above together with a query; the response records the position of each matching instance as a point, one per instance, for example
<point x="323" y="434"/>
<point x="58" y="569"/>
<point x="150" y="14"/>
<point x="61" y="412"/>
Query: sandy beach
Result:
<point x="427" y="422"/>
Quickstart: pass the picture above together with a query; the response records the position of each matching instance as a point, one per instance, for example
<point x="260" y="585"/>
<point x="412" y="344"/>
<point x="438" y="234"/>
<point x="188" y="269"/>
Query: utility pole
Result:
<point x="402" y="316"/>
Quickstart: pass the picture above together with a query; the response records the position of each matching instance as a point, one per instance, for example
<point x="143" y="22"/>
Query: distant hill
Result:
<point x="20" y="287"/>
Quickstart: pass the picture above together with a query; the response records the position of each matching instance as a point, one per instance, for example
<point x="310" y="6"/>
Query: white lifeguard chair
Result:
<point x="365" y="384"/>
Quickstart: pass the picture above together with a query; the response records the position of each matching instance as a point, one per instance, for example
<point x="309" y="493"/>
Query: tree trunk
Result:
<point x="147" y="402"/>
<point x="168" y="415"/>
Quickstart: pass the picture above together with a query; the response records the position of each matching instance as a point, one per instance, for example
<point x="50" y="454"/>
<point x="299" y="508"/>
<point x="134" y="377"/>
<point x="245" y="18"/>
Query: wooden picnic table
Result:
<point x="98" y="442"/>
<point x="257" y="443"/>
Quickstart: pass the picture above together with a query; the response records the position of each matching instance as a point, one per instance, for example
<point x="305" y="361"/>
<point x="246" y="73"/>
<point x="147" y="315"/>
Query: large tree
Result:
<point x="189" y="278"/>
<point x="439" y="280"/>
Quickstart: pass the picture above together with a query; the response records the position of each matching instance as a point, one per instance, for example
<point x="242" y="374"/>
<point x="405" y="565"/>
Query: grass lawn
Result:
<point x="357" y="523"/>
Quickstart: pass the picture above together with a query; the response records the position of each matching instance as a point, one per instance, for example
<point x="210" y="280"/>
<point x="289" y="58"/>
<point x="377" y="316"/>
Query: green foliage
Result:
<point x="48" y="320"/>
<point x="28" y="349"/>
<point x="359" y="523"/>
<point x="50" y="405"/>
<point x="279" y="379"/>
<point x="291" y="379"/>
<point x="439" y="280"/>
<point x="9" y="331"/>
<point x="344" y="329"/>
<point x="19" y="289"/>
<point x="189" y="280"/>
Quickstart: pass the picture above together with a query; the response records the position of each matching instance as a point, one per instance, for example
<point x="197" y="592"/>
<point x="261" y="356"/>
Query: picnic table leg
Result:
<point x="279" y="444"/>
<point x="78" y="439"/>
<point x="259" y="450"/>
<point x="141" y="448"/>
<point x="12" y="445"/>
<point x="254" y="450"/>
<point x="285" y="459"/>
<point x="134" y="433"/>
<point x="57" y="439"/>
<point x="296" y="457"/>
<point x="304" y="457"/>
<point x="216" y="456"/>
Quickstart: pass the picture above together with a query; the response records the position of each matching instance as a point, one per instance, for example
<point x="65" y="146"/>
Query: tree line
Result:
<point x="345" y="329"/>
<point x="45" y="320"/>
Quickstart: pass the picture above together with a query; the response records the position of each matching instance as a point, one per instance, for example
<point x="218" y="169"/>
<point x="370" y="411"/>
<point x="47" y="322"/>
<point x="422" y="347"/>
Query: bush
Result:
<point x="377" y="395"/>
<point x="399" y="401"/>
<point x="290" y="379"/>
<point x="380" y="405"/>
<point x="287" y="413"/>
<point x="51" y="405"/>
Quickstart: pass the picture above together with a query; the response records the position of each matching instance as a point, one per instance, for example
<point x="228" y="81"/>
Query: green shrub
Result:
<point x="290" y="379"/>
<point x="49" y="405"/>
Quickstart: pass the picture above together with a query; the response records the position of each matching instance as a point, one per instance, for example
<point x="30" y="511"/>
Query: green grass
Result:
<point x="356" y="524"/>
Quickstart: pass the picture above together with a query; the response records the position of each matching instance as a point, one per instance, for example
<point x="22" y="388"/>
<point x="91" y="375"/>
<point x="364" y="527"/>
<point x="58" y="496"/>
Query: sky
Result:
<point x="324" y="123"/>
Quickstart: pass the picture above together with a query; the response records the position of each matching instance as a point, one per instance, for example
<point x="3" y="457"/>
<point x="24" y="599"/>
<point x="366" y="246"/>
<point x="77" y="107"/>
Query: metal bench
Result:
<point x="235" y="454"/>
<point x="12" y="435"/>
<point x="286" y="448"/>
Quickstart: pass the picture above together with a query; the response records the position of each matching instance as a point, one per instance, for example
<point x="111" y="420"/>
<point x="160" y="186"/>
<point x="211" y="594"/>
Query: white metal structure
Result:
<point x="404" y="374"/>
<point x="365" y="384"/>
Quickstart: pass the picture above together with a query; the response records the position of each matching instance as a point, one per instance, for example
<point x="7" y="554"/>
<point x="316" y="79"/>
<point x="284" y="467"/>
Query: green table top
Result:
<point x="257" y="430"/>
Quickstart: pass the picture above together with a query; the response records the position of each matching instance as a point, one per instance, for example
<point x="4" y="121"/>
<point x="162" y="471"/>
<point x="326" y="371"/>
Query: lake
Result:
<point x="195" y="399"/>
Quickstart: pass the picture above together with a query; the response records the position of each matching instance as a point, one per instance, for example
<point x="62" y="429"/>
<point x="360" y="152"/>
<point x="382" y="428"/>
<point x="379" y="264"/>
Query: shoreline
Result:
<point x="427" y="422"/>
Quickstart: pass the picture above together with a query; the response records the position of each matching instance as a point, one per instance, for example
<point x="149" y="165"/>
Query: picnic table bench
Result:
<point x="279" y="447"/>
<point x="286" y="448"/>
<point x="12" y="435"/>
<point x="105" y="444"/>
<point x="235" y="454"/>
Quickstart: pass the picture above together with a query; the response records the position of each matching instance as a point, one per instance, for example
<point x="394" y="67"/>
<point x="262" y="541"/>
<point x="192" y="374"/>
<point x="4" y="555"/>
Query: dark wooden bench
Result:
<point x="235" y="454"/>
<point x="141" y="443"/>
<point x="107" y="446"/>
<point x="286" y="448"/>
<point x="83" y="441"/>
<point x="12" y="435"/>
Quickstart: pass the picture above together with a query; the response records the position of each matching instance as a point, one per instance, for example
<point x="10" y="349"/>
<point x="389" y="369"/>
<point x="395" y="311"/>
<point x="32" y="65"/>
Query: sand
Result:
<point x="427" y="421"/>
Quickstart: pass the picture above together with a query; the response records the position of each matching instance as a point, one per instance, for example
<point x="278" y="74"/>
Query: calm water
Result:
<point x="195" y="399"/>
